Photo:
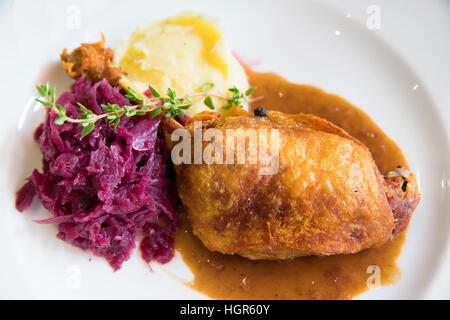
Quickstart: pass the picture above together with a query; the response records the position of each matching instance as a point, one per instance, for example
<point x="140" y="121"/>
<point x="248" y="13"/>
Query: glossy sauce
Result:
<point x="333" y="277"/>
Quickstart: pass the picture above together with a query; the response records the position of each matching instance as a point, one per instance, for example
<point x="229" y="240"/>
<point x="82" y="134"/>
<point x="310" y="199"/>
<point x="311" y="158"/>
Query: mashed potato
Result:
<point x="181" y="53"/>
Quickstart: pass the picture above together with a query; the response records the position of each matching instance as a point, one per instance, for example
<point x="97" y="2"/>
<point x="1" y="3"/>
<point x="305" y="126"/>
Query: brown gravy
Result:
<point x="335" y="277"/>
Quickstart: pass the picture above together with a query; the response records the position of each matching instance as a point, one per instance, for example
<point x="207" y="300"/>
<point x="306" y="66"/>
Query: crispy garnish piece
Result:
<point x="93" y="60"/>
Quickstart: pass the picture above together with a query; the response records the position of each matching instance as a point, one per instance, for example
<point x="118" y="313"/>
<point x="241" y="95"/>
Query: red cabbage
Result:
<point x="105" y="189"/>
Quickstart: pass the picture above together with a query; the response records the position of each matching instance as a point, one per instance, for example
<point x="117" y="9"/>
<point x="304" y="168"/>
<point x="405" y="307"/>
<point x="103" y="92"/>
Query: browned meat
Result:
<point x="403" y="195"/>
<point x="328" y="197"/>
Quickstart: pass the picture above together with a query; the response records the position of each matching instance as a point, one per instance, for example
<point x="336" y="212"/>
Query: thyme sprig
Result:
<point x="169" y="105"/>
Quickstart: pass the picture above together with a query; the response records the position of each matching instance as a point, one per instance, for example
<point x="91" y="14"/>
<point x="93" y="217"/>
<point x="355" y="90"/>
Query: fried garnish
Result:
<point x="93" y="60"/>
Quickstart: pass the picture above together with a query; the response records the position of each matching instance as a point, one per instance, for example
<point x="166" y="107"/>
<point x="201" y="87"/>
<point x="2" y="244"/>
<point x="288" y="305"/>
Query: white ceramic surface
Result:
<point x="307" y="42"/>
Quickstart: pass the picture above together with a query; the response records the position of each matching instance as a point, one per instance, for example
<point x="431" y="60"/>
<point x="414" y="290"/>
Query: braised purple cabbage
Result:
<point x="109" y="187"/>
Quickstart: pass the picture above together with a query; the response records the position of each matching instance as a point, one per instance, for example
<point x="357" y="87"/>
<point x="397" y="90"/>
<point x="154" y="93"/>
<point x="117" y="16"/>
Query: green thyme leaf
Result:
<point x="168" y="114"/>
<point x="155" y="112"/>
<point x="60" y="109"/>
<point x="154" y="92"/>
<point x="60" y="120"/>
<point x="234" y="90"/>
<point x="83" y="108"/>
<point x="108" y="107"/>
<point x="53" y="94"/>
<point x="206" y="86"/>
<point x="111" y="117"/>
<point x="86" y="116"/>
<point x="47" y="88"/>
<point x="180" y="113"/>
<point x="41" y="90"/>
<point x="45" y="104"/>
<point x="131" y="113"/>
<point x="131" y="95"/>
<point x="84" y="124"/>
<point x="88" y="129"/>
<point x="171" y="94"/>
<point x="250" y="91"/>
<point x="209" y="102"/>
<point x="116" y="123"/>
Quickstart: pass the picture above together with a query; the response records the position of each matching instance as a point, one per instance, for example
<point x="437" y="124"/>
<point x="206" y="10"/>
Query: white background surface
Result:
<point x="375" y="69"/>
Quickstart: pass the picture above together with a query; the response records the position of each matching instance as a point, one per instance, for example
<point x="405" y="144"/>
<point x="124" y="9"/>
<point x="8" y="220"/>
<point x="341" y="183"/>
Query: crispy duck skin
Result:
<point x="328" y="197"/>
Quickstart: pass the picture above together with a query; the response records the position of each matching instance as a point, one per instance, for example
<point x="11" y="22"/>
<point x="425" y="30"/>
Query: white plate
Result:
<point x="305" y="42"/>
